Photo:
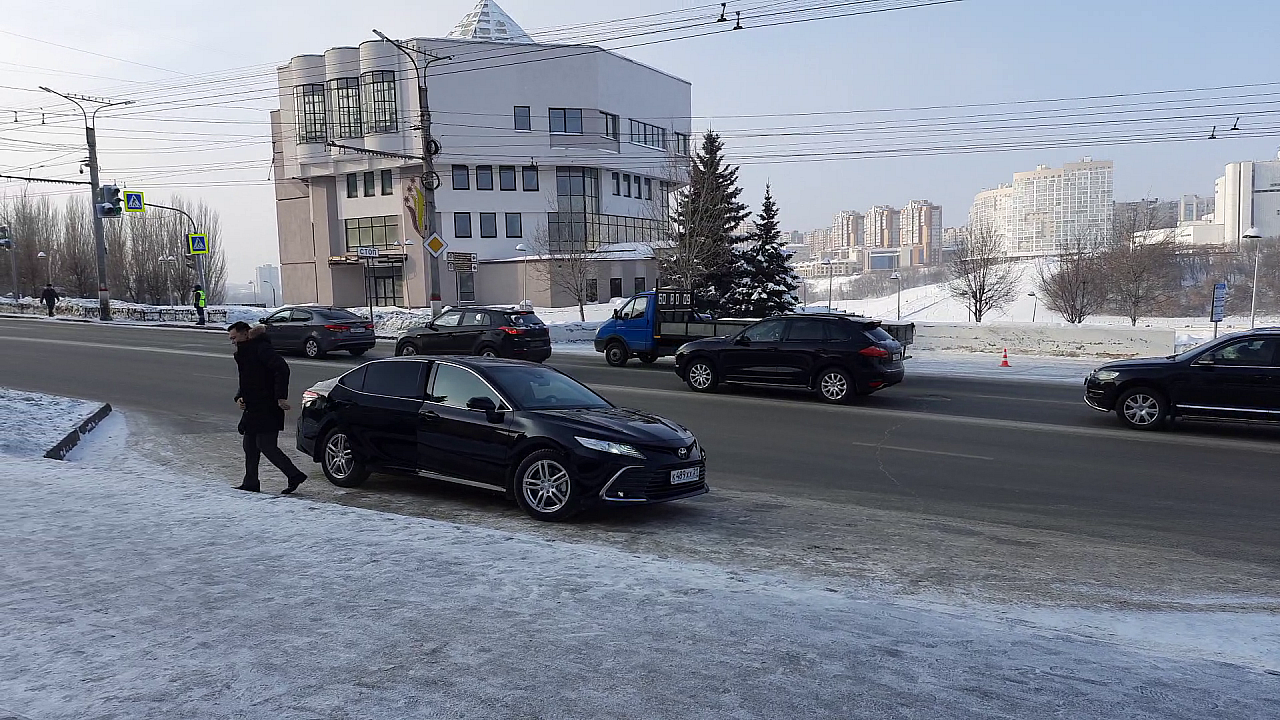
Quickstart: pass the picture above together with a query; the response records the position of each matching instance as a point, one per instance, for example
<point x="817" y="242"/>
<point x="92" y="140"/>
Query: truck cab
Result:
<point x="630" y="332"/>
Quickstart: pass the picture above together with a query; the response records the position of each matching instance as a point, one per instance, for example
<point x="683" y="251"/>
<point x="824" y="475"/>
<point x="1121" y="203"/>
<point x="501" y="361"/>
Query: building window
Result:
<point x="378" y="97"/>
<point x="484" y="177"/>
<point x="617" y="184"/>
<point x="369" y="184"/>
<point x="615" y="288"/>
<point x="380" y="232"/>
<point x="626" y="184"/>
<point x="506" y="177"/>
<point x="522" y="118"/>
<point x="388" y="183"/>
<point x="344" y="108"/>
<point x="682" y="144"/>
<point x="610" y="125"/>
<point x="649" y="135"/>
<point x="386" y="285"/>
<point x="461" y="177"/>
<point x="566" y="120"/>
<point x="308" y="108"/>
<point x="593" y="290"/>
<point x="488" y="225"/>
<point x="466" y="287"/>
<point x="514" y="229"/>
<point x="641" y="284"/>
<point x="530" y="177"/>
<point x="353" y="185"/>
<point x="462" y="225"/>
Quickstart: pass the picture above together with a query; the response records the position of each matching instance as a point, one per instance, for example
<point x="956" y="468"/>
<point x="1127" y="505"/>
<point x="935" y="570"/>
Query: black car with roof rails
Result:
<point x="485" y="331"/>
<point x="1235" y="377"/>
<point x="315" y="330"/>
<point x="839" y="356"/>
<point x="511" y="426"/>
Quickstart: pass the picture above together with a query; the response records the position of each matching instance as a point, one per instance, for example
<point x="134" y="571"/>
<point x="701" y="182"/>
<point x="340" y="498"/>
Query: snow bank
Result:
<point x="1045" y="339"/>
<point x="32" y="423"/>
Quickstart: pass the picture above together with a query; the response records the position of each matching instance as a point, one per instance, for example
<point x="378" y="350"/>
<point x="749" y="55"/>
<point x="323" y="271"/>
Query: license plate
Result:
<point x="684" y="476"/>
<point x="357" y="331"/>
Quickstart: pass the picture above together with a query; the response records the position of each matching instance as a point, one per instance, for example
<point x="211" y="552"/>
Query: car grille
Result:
<point x="654" y="484"/>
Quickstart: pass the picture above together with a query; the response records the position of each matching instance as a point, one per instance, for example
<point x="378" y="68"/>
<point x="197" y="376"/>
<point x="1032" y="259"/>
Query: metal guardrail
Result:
<point x="137" y="314"/>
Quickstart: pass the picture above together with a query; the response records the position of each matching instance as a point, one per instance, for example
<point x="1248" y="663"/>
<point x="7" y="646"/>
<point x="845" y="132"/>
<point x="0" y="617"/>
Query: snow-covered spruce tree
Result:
<point x="768" y="284"/>
<point x="707" y="213"/>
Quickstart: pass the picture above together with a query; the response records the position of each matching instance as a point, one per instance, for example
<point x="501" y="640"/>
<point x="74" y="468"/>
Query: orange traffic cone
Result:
<point x="1005" y="361"/>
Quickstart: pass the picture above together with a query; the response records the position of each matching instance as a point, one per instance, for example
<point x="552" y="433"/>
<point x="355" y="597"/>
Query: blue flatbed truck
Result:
<point x="656" y="323"/>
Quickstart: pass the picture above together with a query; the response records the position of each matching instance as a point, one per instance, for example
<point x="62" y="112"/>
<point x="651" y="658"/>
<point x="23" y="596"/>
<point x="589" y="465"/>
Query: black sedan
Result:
<point x="839" y="356"/>
<point x="484" y="331"/>
<point x="506" y="425"/>
<point x="314" y="330"/>
<point x="1236" y="377"/>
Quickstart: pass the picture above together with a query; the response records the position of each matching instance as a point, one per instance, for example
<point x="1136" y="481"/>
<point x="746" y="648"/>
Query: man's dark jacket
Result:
<point x="49" y="296"/>
<point x="264" y="381"/>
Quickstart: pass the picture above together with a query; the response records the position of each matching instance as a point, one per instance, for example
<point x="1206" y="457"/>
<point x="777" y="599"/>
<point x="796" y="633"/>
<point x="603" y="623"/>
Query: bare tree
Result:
<point x="77" y="260"/>
<point x="980" y="274"/>
<point x="1074" y="283"/>
<point x="1143" y="277"/>
<point x="563" y="262"/>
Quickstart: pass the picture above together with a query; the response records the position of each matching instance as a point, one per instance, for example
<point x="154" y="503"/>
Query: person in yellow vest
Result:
<point x="200" y="300"/>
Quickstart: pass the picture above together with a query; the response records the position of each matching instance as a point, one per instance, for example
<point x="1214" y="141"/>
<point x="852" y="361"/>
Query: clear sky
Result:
<point x="975" y="51"/>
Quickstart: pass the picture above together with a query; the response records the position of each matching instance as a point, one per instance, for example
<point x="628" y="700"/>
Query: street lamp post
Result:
<point x="48" y="268"/>
<point x="826" y="260"/>
<point x="1035" y="301"/>
<point x="898" y="277"/>
<point x="7" y="243"/>
<point x="254" y="285"/>
<point x="524" y="271"/>
<point x="271" y="285"/>
<point x="1255" y="235"/>
<point x="170" y="264"/>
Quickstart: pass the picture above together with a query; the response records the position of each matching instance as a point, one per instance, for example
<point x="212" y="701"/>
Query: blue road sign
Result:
<point x="1219" y="303"/>
<point x="197" y="244"/>
<point x="134" y="201"/>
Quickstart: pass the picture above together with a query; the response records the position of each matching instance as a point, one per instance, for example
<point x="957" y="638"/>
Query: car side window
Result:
<point x="475" y="319"/>
<point x="636" y="309"/>
<point x="806" y="330"/>
<point x="454" y="386"/>
<point x="449" y="319"/>
<point x="282" y="316"/>
<point x="399" y="379"/>
<point x="767" y="331"/>
<point x="840" y="331"/>
<point x="301" y="316"/>
<point x="354" y="380"/>
<point x="1258" y="352"/>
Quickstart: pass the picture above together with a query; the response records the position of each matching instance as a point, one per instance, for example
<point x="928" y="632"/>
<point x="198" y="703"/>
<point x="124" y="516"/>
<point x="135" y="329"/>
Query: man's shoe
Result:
<point x="248" y="488"/>
<point x="293" y="485"/>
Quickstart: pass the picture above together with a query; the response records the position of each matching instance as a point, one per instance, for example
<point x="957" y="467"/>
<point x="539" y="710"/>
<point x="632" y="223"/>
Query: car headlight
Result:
<point x="1105" y="375"/>
<point x="609" y="447"/>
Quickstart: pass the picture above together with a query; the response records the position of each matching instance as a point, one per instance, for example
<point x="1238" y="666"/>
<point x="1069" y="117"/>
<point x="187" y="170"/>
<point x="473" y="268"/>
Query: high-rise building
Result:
<point x="1248" y="196"/>
<point x="881" y="229"/>
<point x="920" y="222"/>
<point x="847" y="227"/>
<point x="1047" y="209"/>
<point x="267" y="279"/>
<point x="1194" y="207"/>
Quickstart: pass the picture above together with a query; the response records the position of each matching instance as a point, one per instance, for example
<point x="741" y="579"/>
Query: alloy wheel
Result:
<point x="834" y="386"/>
<point x="338" y="456"/>
<point x="488" y="352"/>
<point x="545" y="486"/>
<point x="312" y="348"/>
<point x="1141" y="409"/>
<point x="700" y="375"/>
<point x="408" y="349"/>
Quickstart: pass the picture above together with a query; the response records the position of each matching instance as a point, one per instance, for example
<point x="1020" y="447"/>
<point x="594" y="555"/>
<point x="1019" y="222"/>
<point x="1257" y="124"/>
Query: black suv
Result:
<point x="313" y="330"/>
<point x="505" y="425"/>
<point x="1236" y="377"/>
<point x="837" y="355"/>
<point x="486" y="331"/>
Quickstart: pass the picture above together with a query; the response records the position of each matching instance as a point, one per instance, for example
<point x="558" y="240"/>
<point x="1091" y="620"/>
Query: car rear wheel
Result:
<point x="487" y="351"/>
<point x="357" y="352"/>
<point x="545" y="489"/>
<point x="701" y="376"/>
<point x="649" y="358"/>
<point x="1142" y="409"/>
<point x="406" y="349"/>
<point x="835" y="386"/>
<point x="340" y="463"/>
<point x="311" y="348"/>
<point x="615" y="353"/>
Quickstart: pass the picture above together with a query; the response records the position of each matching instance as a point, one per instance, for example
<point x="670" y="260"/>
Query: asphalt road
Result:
<point x="1024" y="457"/>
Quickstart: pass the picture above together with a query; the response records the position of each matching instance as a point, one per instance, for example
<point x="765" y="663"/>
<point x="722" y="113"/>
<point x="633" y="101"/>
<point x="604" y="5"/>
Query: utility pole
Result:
<point x="198" y="258"/>
<point x="429" y="177"/>
<point x="99" y="233"/>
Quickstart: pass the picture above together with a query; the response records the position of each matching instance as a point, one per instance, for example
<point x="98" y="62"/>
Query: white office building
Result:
<point x="1248" y="195"/>
<point x="266" y="281"/>
<point x="541" y="146"/>
<point x="1045" y="210"/>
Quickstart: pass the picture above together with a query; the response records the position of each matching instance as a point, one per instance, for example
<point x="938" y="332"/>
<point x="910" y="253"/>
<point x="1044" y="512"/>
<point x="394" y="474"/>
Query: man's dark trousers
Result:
<point x="266" y="443"/>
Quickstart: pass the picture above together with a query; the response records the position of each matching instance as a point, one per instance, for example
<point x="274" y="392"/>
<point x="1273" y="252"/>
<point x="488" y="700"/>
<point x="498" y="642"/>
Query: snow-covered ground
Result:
<point x="32" y="423"/>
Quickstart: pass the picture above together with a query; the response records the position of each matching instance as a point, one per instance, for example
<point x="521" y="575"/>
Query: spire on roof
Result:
<point x="489" y="22"/>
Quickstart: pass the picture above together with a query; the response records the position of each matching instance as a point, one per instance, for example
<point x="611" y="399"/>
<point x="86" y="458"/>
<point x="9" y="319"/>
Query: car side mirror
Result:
<point x="487" y="406"/>
<point x="264" y="321"/>
<point x="742" y="340"/>
<point x="615" y="314"/>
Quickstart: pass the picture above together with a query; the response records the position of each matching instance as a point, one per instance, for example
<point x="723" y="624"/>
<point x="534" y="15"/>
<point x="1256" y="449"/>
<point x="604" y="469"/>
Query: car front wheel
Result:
<point x="544" y="487"/>
<point x="1142" y="409"/>
<point x="835" y="386"/>
<point x="406" y="350"/>
<point x="340" y="463"/>
<point x="615" y="353"/>
<point x="312" y="348"/>
<point x="701" y="376"/>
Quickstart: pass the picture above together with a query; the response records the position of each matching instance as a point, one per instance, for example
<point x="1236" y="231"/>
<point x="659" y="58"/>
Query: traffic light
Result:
<point x="110" y="207"/>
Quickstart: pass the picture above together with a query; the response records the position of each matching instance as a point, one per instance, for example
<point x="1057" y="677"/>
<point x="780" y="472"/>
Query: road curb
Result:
<point x="64" y="446"/>
<point x="116" y="323"/>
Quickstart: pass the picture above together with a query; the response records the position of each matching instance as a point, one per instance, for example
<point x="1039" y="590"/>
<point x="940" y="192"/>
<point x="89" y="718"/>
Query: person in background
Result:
<point x="263" y="398"/>
<point x="200" y="301"/>
<point x="50" y="297"/>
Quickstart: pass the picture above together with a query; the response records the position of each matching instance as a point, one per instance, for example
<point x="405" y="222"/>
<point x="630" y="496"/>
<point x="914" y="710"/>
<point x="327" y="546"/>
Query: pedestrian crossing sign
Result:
<point x="134" y="201"/>
<point x="197" y="244"/>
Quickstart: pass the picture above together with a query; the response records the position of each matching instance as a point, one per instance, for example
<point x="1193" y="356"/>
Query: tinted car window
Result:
<point x="877" y="333"/>
<point x="340" y="315"/>
<point x="767" y="331"/>
<point x="840" y="331"/>
<point x="449" y="319"/>
<point x="454" y="386"/>
<point x="354" y="379"/>
<point x="301" y="316"/>
<point x="282" y="316"/>
<point x="540" y="388"/>
<point x="524" y="320"/>
<point x="806" y="331"/>
<point x="395" y="379"/>
<point x="1258" y="352"/>
<point x="475" y="319"/>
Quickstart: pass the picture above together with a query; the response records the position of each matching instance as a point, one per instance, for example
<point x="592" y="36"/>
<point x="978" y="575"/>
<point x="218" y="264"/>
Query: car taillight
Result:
<point x="369" y="326"/>
<point x="337" y="328"/>
<point x="511" y="330"/>
<point x="874" y="351"/>
<point x="310" y="396"/>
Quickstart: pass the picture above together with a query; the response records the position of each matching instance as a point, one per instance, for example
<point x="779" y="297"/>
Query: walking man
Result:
<point x="200" y="300"/>
<point x="50" y="297"/>
<point x="263" y="396"/>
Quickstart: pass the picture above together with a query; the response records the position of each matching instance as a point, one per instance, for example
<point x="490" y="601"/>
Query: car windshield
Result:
<point x="541" y="388"/>
<point x="1188" y="354"/>
<point x="524" y="320"/>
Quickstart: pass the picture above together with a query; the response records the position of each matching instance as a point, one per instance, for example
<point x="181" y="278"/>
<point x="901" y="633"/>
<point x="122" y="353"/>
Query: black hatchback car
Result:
<point x="506" y="425"/>
<point x="839" y="356"/>
<point x="315" y="331"/>
<point x="485" y="331"/>
<point x="1236" y="377"/>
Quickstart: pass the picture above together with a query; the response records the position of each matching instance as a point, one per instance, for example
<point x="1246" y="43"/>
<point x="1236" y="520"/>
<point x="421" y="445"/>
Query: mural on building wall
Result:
<point x="415" y="203"/>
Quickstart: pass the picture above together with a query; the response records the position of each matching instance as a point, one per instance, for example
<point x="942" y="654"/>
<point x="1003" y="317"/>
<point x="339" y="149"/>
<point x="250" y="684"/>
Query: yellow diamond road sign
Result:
<point x="436" y="245"/>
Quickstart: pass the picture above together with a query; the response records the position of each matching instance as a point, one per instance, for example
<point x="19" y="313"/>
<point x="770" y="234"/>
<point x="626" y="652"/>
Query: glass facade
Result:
<point x="386" y="285"/>
<point x="308" y="107"/>
<point x="378" y="100"/>
<point x="344" y="108"/>
<point x="649" y="135"/>
<point x="381" y="232"/>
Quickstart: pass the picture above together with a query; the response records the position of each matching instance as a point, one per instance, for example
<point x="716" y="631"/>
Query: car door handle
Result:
<point x="428" y="415"/>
